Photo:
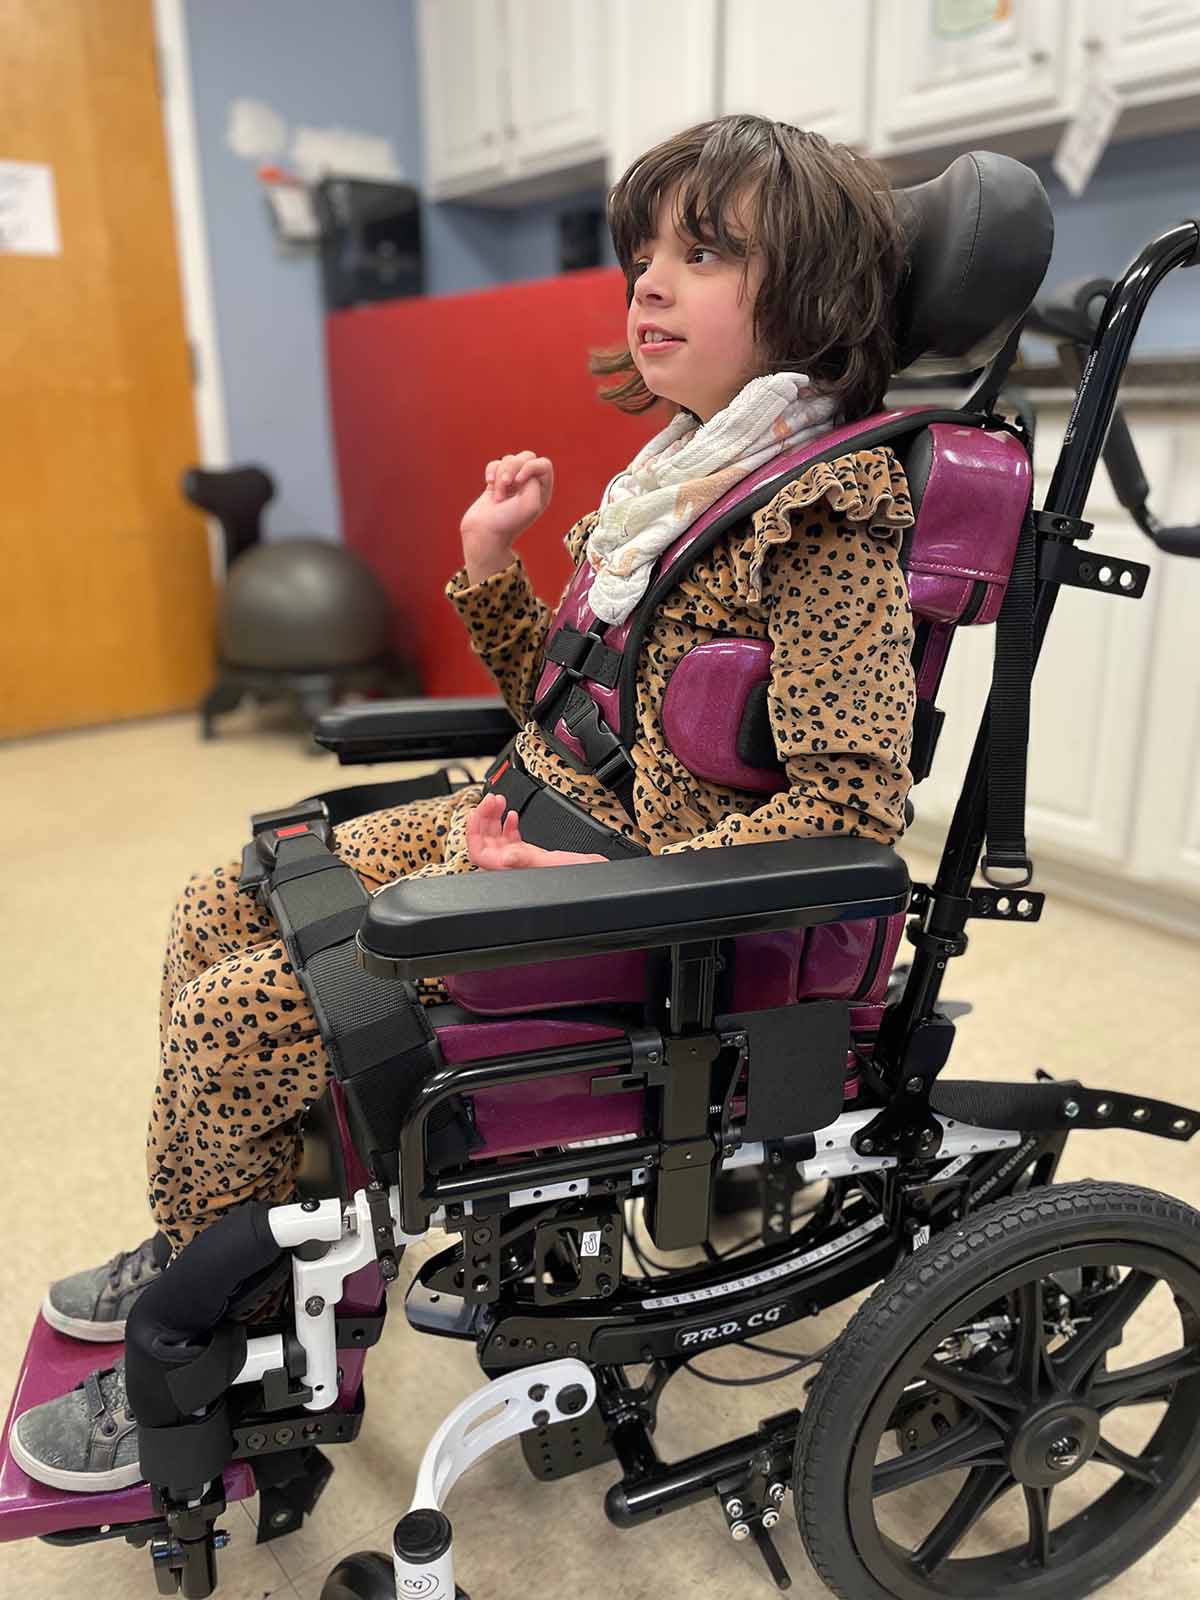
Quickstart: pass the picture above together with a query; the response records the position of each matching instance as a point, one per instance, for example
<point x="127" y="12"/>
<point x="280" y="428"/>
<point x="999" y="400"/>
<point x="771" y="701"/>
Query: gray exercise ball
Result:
<point x="302" y="605"/>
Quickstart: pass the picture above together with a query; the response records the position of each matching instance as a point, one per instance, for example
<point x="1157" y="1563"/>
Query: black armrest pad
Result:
<point x="415" y="730"/>
<point x="475" y="920"/>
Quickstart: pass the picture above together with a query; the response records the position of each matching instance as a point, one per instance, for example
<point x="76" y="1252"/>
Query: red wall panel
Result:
<point x="424" y="392"/>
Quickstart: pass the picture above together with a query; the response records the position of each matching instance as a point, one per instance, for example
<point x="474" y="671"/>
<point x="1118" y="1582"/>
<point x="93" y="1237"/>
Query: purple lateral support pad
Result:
<point x="969" y="521"/>
<point x="703" y="708"/>
<point x="54" y="1364"/>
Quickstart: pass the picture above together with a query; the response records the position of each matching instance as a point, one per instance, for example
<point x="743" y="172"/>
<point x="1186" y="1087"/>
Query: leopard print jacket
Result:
<point x="817" y="573"/>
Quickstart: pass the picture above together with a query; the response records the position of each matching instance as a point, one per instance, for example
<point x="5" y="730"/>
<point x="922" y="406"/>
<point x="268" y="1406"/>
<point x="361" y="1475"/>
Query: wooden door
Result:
<point x="107" y="597"/>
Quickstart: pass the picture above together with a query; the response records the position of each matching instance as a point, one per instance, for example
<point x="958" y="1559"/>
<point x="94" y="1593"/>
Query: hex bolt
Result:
<point x="540" y="1418"/>
<point x="314" y="1305"/>
<point x="733" y="1508"/>
<point x="1071" y="1109"/>
<point x="740" y="1530"/>
<point x="255" y="1441"/>
<point x="915" y="1085"/>
<point x="604" y="1283"/>
<point x="483" y="1236"/>
<point x="310" y="1205"/>
<point x="770" y="1518"/>
<point x="280" y="1519"/>
<point x="284" y="1435"/>
<point x="776" y="1492"/>
<point x="538" y="1392"/>
<point x="865" y="1146"/>
<point x="927" y="1140"/>
<point x="652" y="1056"/>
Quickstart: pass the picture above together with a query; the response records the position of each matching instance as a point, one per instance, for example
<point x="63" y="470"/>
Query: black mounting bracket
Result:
<point x="1088" y="569"/>
<point x="1057" y="525"/>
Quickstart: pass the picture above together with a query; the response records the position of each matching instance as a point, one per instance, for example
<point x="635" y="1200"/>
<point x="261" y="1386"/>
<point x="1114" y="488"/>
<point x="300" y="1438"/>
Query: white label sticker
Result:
<point x="591" y="1244"/>
<point x="28" y="212"/>
<point x="1086" y="136"/>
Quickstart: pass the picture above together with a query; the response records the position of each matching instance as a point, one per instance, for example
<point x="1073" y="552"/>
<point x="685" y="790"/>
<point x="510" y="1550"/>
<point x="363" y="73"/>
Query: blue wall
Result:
<point x="354" y="64"/>
<point x="1138" y="190"/>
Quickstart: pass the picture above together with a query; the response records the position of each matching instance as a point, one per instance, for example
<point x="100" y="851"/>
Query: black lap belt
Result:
<point x="552" y="821"/>
<point x="379" y="1040"/>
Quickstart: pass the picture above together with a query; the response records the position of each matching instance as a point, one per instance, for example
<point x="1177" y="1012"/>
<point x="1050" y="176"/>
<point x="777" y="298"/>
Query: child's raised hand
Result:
<point x="517" y="489"/>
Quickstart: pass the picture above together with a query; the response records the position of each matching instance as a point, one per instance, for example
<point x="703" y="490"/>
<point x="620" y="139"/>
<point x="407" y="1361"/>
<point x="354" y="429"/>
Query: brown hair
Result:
<point x="825" y="222"/>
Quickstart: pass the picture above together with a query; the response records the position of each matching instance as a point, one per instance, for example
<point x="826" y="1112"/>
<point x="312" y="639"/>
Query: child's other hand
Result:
<point x="496" y="846"/>
<point x="517" y="490"/>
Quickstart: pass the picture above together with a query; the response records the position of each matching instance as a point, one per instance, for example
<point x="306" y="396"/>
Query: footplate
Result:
<point x="560" y="1449"/>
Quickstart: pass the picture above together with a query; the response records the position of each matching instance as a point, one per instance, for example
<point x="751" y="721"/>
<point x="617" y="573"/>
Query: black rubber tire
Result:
<point x="367" y="1575"/>
<point x="962" y="1260"/>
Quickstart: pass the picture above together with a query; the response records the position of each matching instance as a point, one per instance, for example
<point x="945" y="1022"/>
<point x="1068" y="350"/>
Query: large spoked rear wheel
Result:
<point x="1016" y="1410"/>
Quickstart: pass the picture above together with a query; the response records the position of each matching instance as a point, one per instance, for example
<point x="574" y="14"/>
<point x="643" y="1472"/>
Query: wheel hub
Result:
<point x="1053" y="1443"/>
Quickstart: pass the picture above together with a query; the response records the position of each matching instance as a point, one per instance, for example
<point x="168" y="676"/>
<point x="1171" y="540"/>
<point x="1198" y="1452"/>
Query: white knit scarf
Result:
<point x="686" y="468"/>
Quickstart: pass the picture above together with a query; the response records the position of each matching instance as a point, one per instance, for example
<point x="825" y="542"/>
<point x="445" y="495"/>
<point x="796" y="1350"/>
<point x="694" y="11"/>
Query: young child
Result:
<point x="762" y="266"/>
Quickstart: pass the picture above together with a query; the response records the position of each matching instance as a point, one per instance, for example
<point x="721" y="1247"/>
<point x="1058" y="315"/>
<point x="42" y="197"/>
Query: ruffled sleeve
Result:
<point x="507" y="621"/>
<point x="867" y="491"/>
<point x="820" y="566"/>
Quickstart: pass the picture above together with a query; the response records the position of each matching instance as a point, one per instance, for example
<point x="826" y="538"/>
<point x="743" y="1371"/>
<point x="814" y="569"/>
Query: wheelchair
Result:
<point x="640" y="1039"/>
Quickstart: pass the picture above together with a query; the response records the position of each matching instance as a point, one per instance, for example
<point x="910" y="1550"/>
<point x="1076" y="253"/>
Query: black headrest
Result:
<point x="979" y="241"/>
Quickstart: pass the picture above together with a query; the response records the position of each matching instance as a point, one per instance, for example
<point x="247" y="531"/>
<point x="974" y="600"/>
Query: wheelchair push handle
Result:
<point x="1070" y="315"/>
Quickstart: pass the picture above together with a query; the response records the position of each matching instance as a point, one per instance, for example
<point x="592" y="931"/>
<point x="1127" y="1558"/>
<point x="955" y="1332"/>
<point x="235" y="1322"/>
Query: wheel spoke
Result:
<point x="1077" y="1361"/>
<point x="1143" y="1468"/>
<point x="1037" y="1506"/>
<point x="1150" y="1380"/>
<point x="972" y="1443"/>
<point x="982" y="1489"/>
<point x="1029" y="1357"/>
<point x="989" y="1396"/>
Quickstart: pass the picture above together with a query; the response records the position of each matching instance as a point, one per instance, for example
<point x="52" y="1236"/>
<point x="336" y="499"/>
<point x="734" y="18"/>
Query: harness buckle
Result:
<point x="269" y="829"/>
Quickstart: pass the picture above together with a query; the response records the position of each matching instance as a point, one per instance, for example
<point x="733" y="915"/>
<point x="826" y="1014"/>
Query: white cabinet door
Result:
<point x="460" y="54"/>
<point x="1088" y="695"/>
<point x="807" y="65"/>
<point x="935" y="85"/>
<point x="662" y="74"/>
<point x="556" y="66"/>
<point x="1148" y="50"/>
<point x="1168" y="816"/>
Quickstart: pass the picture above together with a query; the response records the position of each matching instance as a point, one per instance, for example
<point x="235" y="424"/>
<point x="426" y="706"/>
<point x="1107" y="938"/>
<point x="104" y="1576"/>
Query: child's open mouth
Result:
<point x="655" y="344"/>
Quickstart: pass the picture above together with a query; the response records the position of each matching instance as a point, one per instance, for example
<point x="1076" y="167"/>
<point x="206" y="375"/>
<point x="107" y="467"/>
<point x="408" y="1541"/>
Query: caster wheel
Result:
<point x="1016" y="1410"/>
<point x="366" y="1575"/>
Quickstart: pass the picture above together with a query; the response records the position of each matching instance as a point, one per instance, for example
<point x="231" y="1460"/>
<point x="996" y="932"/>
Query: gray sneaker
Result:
<point x="93" y="1304"/>
<point x="85" y="1440"/>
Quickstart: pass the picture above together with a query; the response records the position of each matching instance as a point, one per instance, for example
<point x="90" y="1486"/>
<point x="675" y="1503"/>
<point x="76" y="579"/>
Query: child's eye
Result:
<point x="704" y="250"/>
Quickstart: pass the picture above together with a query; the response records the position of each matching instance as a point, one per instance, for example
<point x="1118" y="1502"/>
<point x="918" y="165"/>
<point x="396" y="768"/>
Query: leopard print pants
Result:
<point x="241" y="1055"/>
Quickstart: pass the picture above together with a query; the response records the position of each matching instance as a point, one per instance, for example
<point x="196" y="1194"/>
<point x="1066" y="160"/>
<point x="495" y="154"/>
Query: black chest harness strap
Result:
<point x="381" y="1046"/>
<point x="551" y="820"/>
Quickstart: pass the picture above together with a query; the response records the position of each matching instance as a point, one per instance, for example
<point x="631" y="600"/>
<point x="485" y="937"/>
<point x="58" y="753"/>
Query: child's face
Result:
<point x="689" y="289"/>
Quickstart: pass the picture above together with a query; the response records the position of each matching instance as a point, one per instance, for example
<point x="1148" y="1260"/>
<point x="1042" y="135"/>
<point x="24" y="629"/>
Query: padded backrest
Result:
<point x="970" y="489"/>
